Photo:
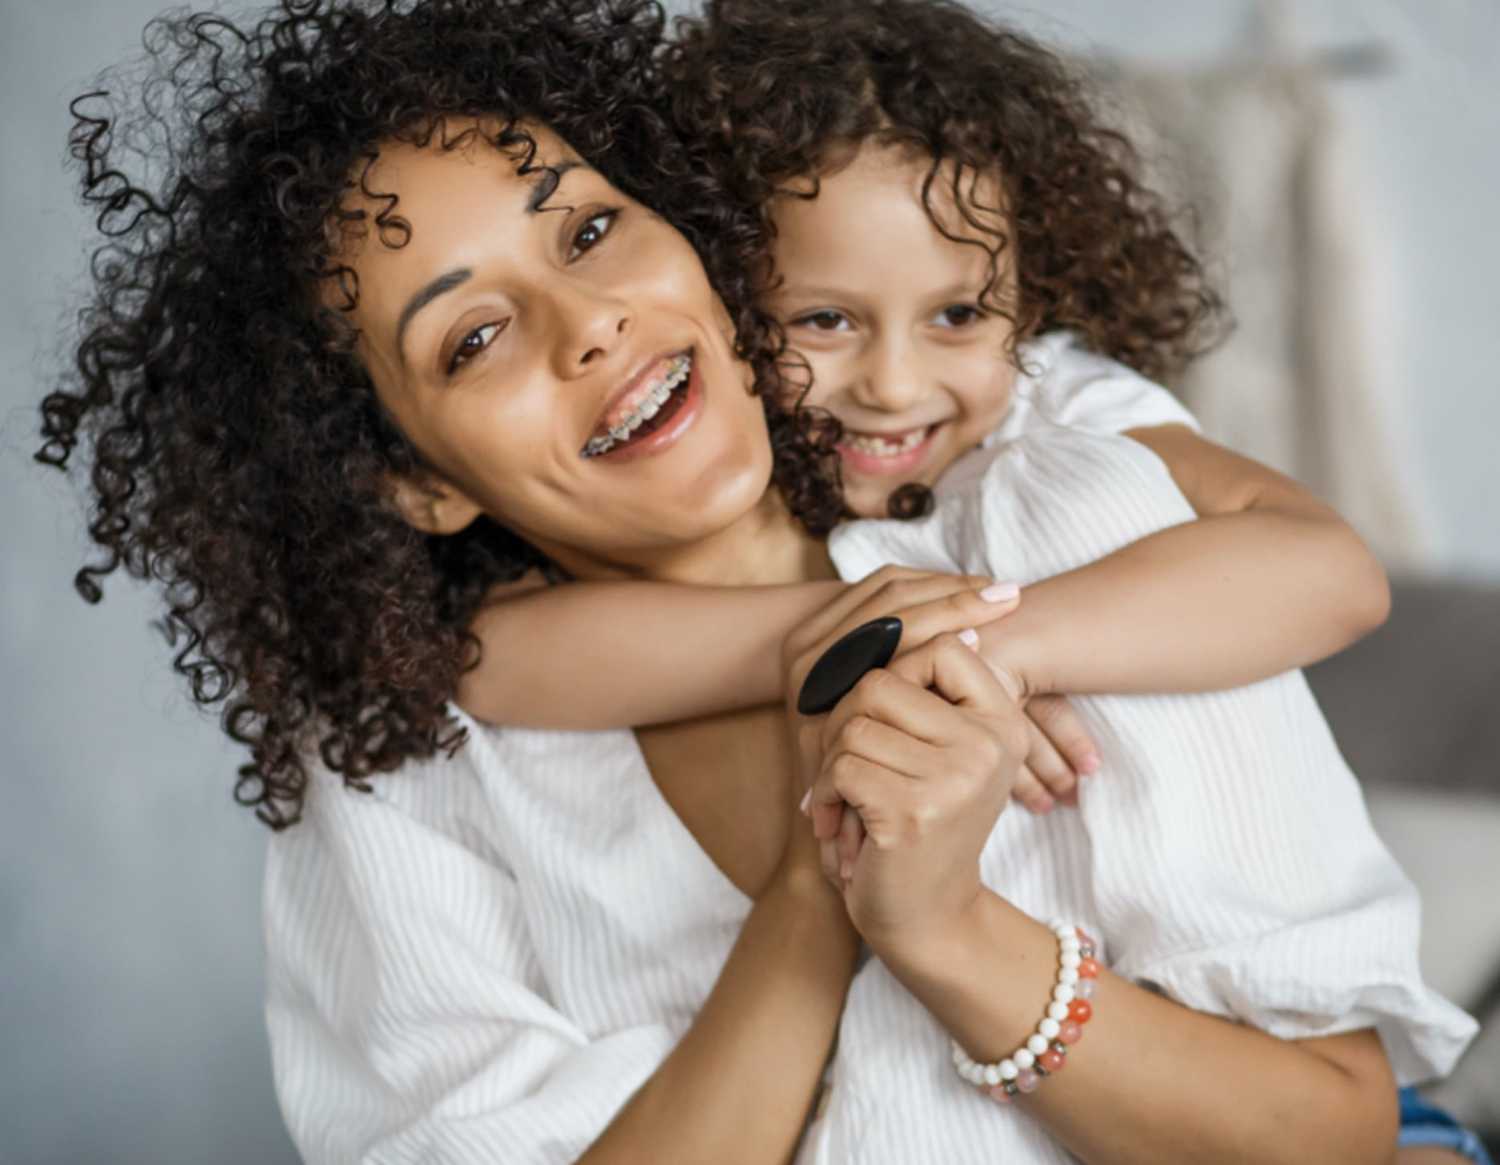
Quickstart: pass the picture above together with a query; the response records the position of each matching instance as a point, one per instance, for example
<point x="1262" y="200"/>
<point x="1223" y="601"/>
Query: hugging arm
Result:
<point x="1266" y="580"/>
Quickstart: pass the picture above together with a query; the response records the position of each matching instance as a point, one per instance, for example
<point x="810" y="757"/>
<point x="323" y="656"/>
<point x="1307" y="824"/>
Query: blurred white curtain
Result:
<point x="1307" y="382"/>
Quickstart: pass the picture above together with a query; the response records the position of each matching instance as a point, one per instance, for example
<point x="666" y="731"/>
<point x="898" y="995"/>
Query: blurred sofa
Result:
<point x="1416" y="710"/>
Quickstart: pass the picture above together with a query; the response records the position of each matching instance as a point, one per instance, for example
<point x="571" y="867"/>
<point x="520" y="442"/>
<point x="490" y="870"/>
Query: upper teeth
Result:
<point x="648" y="407"/>
<point x="884" y="446"/>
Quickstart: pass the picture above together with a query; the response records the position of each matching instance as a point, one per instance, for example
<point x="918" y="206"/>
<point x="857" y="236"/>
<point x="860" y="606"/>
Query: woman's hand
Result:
<point x="927" y="752"/>
<point x="928" y="604"/>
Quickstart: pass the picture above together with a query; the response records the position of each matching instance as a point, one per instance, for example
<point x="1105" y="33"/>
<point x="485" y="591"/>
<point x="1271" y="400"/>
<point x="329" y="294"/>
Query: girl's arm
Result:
<point x="617" y="654"/>
<point x="1268" y="579"/>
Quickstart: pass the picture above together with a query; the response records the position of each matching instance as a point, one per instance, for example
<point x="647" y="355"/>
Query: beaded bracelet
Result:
<point x="1046" y="1050"/>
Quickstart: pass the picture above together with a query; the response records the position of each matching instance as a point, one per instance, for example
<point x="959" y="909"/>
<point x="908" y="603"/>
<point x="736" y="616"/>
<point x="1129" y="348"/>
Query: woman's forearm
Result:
<point x="1210" y="604"/>
<point x="1152" y="1081"/>
<point x="739" y="1085"/>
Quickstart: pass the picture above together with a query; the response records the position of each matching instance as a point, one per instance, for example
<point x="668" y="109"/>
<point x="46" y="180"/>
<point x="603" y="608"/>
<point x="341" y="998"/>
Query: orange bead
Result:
<point x="1080" y="1010"/>
<point x="1053" y="1061"/>
<point x="1088" y="969"/>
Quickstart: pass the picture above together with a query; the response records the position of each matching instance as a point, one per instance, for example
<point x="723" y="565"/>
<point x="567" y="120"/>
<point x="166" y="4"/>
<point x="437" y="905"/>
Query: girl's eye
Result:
<point x="474" y="343"/>
<point x="826" y="320"/>
<point x="958" y="315"/>
<point x="592" y="232"/>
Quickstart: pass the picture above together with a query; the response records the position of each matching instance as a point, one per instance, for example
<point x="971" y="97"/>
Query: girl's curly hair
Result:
<point x="236" y="452"/>
<point x="783" y="92"/>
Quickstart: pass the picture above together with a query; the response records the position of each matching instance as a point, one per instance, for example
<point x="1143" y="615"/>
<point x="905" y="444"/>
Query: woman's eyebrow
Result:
<point x="425" y="295"/>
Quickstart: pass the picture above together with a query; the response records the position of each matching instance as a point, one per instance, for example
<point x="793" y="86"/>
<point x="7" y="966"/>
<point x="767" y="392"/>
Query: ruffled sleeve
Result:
<point x="408" y="1017"/>
<point x="1064" y="383"/>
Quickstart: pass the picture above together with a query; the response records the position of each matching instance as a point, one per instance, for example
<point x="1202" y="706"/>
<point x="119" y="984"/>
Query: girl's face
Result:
<point x="885" y="309"/>
<point x="558" y="358"/>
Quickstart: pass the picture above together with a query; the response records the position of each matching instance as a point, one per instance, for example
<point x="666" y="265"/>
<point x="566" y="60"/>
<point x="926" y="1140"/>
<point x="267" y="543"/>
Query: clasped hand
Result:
<point x="916" y="762"/>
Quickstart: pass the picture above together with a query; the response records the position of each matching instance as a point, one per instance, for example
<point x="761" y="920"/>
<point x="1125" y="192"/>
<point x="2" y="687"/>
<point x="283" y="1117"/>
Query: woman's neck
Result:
<point x="765" y="547"/>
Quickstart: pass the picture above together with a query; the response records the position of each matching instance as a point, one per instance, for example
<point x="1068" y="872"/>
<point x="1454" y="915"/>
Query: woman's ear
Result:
<point x="432" y="505"/>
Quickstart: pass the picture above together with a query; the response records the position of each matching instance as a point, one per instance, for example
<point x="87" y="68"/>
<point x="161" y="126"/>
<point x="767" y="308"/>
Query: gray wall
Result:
<point x="130" y="1026"/>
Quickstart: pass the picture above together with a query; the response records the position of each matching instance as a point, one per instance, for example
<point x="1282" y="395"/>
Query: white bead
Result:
<point x="1057" y="1011"/>
<point x="1062" y="930"/>
<point x="1068" y="976"/>
<point x="1063" y="993"/>
<point x="959" y="1055"/>
<point x="1037" y="1045"/>
<point x="1049" y="1028"/>
<point x="1070" y="943"/>
<point x="1071" y="959"/>
<point x="1023" y="1057"/>
<point x="1008" y="1070"/>
<point x="991" y="1075"/>
<point x="1057" y="926"/>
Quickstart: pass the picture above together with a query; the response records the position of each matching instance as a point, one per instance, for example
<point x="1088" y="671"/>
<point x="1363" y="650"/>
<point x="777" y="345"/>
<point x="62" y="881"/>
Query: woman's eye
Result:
<point x="958" y="315"/>
<point x="474" y="343"/>
<point x="823" y="321"/>
<point x="590" y="234"/>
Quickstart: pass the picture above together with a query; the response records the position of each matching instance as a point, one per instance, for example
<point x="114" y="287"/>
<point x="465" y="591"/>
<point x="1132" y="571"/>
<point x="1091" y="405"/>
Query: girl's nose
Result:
<point x="890" y="379"/>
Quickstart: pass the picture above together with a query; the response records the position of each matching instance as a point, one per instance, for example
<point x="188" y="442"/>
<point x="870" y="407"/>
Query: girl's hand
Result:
<point x="927" y="752"/>
<point x="1059" y="751"/>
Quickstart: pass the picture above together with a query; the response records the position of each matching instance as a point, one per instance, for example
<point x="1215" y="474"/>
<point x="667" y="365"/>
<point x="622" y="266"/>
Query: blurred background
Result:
<point x="1345" y="156"/>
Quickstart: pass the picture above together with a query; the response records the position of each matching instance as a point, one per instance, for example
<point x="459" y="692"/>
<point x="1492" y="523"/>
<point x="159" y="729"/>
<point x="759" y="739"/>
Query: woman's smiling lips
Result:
<point x="668" y="422"/>
<point x="885" y="454"/>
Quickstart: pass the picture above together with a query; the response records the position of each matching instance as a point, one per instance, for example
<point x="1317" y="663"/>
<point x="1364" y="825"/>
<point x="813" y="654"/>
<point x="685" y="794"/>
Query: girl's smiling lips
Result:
<point x="886" y="454"/>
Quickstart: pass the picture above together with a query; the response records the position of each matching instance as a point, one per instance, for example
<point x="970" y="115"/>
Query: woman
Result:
<point x="515" y="952"/>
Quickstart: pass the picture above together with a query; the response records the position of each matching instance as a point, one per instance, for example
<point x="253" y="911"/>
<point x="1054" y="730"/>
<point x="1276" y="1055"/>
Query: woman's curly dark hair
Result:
<point x="236" y="452"/>
<point x="782" y="92"/>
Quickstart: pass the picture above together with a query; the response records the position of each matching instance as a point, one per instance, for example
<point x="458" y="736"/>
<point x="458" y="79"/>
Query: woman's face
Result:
<point x="557" y="356"/>
<point x="885" y="309"/>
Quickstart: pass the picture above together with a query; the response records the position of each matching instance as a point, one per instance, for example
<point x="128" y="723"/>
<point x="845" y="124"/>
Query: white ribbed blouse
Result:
<point x="481" y="961"/>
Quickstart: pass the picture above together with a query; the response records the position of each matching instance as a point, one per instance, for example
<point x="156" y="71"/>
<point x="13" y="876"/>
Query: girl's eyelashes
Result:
<point x="822" y="320"/>
<point x="474" y="343"/>
<point x="958" y="315"/>
<point x="592" y="232"/>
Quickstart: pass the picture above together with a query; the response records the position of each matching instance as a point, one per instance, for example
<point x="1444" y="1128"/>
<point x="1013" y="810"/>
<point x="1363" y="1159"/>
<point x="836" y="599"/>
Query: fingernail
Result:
<point x="1000" y="592"/>
<point x="1091" y="763"/>
<point x="806" y="801"/>
<point x="846" y="869"/>
<point x="969" y="638"/>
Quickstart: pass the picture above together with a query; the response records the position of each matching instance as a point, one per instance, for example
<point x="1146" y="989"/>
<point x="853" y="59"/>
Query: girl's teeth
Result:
<point x="883" y="447"/>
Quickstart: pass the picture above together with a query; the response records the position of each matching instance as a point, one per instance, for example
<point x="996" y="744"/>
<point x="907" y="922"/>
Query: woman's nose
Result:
<point x="889" y="379"/>
<point x="590" y="324"/>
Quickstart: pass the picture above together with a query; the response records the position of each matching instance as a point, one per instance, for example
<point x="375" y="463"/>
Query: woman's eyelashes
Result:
<point x="475" y="342"/>
<point x="592" y="232"/>
<point x="588" y="236"/>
